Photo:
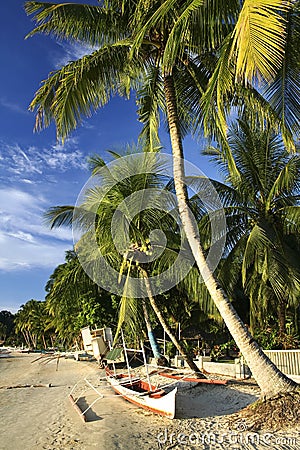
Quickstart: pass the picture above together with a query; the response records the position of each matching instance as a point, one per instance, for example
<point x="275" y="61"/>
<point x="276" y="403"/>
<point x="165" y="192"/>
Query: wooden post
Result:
<point x="126" y="356"/>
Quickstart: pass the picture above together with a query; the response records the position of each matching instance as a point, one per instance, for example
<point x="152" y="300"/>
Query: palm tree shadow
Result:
<point x="211" y="400"/>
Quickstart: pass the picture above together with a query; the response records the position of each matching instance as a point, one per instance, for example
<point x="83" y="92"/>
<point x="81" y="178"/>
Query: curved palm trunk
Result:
<point x="44" y="341"/>
<point x="33" y="338"/>
<point x="167" y="329"/>
<point x="52" y="340"/>
<point x="269" y="378"/>
<point x="27" y="340"/>
<point x="153" y="342"/>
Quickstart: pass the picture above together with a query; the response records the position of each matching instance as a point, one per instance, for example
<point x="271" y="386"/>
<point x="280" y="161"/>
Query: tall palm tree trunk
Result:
<point x="269" y="378"/>
<point x="27" y="340"/>
<point x="32" y="339"/>
<point x="44" y="341"/>
<point x="167" y="329"/>
<point x="153" y="342"/>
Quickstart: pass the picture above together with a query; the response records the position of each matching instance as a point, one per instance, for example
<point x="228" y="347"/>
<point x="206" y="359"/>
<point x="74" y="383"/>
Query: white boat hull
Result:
<point x="158" y="402"/>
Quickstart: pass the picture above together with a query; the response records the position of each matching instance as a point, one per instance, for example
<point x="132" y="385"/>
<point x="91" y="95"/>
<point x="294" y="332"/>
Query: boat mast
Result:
<point x="146" y="366"/>
<point x="126" y="356"/>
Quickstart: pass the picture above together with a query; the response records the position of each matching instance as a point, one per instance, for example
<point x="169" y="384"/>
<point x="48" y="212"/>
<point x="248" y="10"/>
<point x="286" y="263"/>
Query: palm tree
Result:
<point x="165" y="39"/>
<point x="262" y="369"/>
<point x="31" y="321"/>
<point x="6" y="325"/>
<point x="21" y="325"/>
<point x="121" y="193"/>
<point x="74" y="301"/>
<point x="263" y="219"/>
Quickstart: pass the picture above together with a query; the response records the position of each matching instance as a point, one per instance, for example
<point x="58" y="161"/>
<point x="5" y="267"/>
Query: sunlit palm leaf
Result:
<point x="150" y="100"/>
<point x="283" y="94"/>
<point x="287" y="180"/>
<point x="292" y="219"/>
<point x="88" y="24"/>
<point x="259" y="39"/>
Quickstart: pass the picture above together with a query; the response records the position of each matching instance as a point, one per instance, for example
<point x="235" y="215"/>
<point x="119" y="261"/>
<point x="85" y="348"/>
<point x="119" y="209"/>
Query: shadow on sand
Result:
<point x="90" y="415"/>
<point x="210" y="400"/>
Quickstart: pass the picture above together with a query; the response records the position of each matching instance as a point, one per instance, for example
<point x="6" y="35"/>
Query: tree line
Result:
<point x="73" y="300"/>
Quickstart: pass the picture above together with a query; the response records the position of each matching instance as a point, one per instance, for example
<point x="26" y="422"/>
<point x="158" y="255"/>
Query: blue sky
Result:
<point x="37" y="172"/>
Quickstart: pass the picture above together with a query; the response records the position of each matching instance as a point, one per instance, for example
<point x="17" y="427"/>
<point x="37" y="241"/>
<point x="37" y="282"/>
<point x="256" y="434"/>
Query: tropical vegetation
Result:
<point x="73" y="301"/>
<point x="167" y="51"/>
<point x="130" y="197"/>
<point x="7" y="327"/>
<point x="263" y="221"/>
<point x="265" y="198"/>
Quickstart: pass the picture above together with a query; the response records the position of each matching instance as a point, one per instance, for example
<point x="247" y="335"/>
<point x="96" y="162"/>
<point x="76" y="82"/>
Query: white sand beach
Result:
<point x="43" y="417"/>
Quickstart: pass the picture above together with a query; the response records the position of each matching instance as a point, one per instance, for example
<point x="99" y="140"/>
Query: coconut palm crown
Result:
<point x="263" y="219"/>
<point x="130" y="198"/>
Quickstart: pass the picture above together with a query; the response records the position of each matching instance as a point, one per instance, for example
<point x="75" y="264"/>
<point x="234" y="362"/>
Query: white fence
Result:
<point x="287" y="361"/>
<point x="236" y="369"/>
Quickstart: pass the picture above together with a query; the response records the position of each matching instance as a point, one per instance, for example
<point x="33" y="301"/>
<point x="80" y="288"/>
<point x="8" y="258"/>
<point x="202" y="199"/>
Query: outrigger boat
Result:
<point x="4" y="352"/>
<point x="187" y="378"/>
<point x="143" y="394"/>
<point x="140" y="392"/>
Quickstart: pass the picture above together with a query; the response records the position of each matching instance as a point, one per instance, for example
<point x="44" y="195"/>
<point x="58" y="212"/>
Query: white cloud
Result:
<point x="13" y="106"/>
<point x="27" y="237"/>
<point x="23" y="212"/>
<point x="19" y="255"/>
<point x="14" y="201"/>
<point x="25" y="180"/>
<point x="72" y="52"/>
<point x="33" y="161"/>
<point x="25" y="241"/>
<point x="33" y="179"/>
<point x="87" y="125"/>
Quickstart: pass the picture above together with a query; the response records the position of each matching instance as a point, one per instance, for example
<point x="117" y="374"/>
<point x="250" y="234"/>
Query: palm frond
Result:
<point x="219" y="87"/>
<point x="128" y="310"/>
<point x="149" y="99"/>
<point x="147" y="17"/>
<point x="173" y="47"/>
<point x="284" y="92"/>
<point x="81" y="87"/>
<point x="191" y="77"/>
<point x="88" y="24"/>
<point x="214" y="103"/>
<point x="96" y="163"/>
<point x="259" y="39"/>
<point x="256" y="243"/>
<point x="58" y="216"/>
<point x="291" y="215"/>
<point x="254" y="108"/>
<point x="287" y="180"/>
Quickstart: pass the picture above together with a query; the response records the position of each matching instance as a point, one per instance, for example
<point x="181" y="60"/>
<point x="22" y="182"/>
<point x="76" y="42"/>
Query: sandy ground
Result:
<point x="43" y="417"/>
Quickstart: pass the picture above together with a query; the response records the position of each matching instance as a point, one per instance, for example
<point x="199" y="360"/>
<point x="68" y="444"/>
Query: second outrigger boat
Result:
<point x="185" y="377"/>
